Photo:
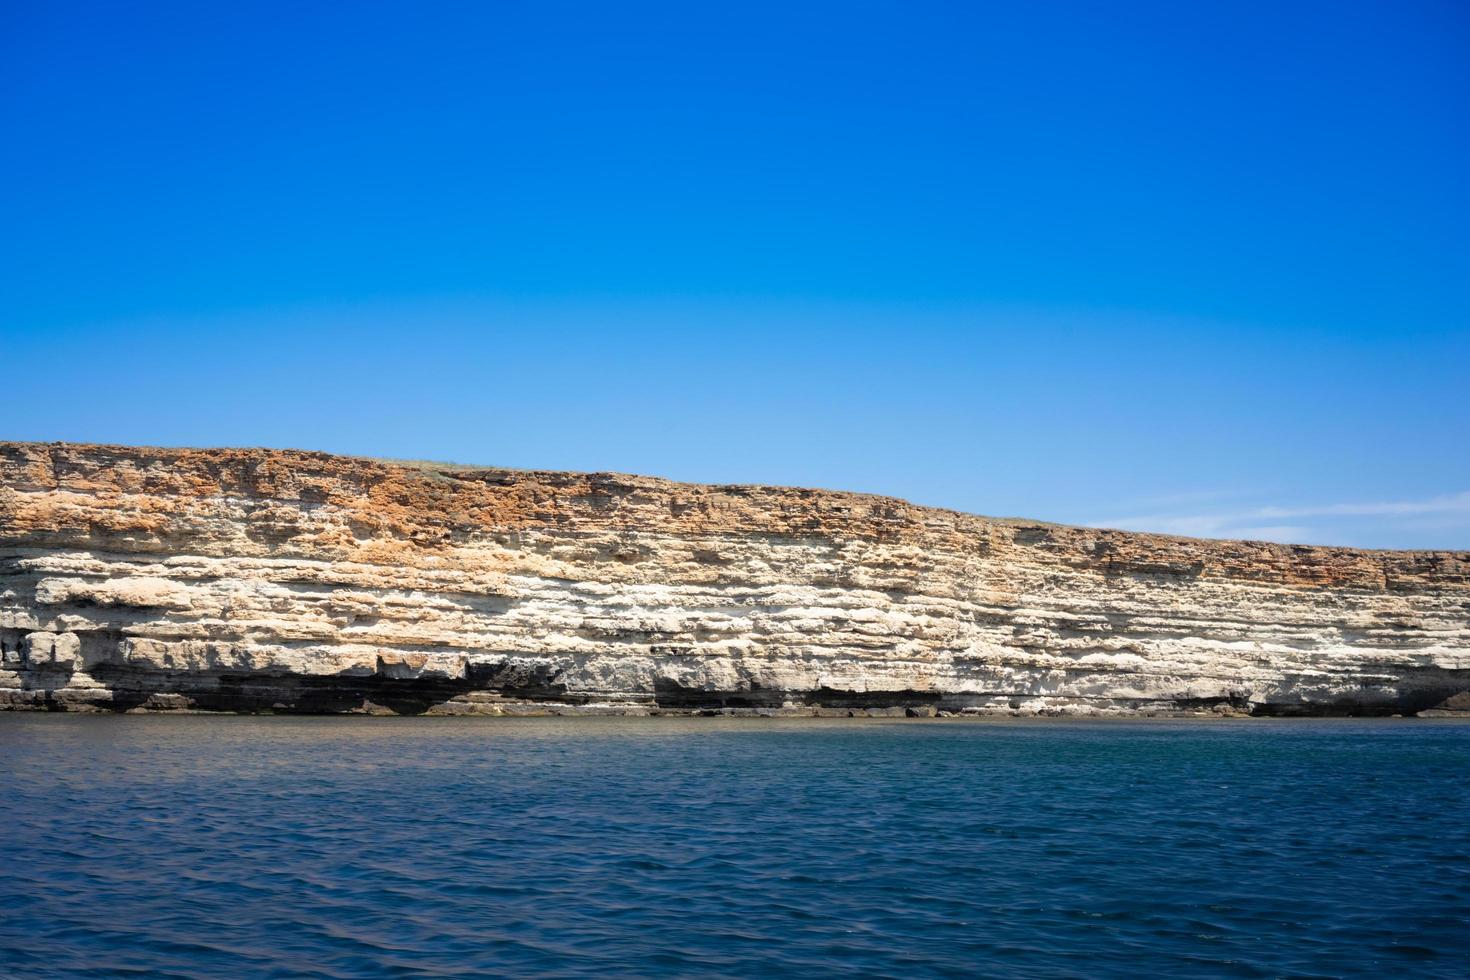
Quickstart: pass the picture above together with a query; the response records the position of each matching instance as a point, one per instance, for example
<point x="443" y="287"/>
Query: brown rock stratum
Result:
<point x="267" y="580"/>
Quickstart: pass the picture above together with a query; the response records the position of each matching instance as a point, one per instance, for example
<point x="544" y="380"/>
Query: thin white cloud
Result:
<point x="1294" y="524"/>
<point x="1283" y="533"/>
<point x="1454" y="503"/>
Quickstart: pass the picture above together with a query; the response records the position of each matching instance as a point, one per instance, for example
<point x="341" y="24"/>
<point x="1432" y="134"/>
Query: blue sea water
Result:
<point x="225" y="847"/>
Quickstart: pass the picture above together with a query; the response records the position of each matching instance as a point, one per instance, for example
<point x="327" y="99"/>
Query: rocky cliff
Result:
<point x="262" y="580"/>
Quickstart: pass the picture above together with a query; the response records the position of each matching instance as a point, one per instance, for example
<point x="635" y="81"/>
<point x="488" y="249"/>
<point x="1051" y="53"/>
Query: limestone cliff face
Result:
<point x="293" y="581"/>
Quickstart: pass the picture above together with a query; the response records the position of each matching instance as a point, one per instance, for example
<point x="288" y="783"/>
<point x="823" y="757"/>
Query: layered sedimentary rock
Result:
<point x="261" y="580"/>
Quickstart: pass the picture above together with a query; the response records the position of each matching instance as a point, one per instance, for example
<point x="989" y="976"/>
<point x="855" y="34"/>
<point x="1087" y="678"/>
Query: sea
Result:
<point x="196" y="846"/>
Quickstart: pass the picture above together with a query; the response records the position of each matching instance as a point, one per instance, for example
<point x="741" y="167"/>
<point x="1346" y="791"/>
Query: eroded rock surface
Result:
<point x="263" y="580"/>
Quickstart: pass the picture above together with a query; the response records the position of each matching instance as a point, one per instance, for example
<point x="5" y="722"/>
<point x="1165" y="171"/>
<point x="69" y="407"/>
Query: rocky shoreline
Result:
<point x="136" y="579"/>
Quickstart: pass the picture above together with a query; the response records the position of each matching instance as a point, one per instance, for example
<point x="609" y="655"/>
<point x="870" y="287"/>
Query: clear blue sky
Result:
<point x="1190" y="267"/>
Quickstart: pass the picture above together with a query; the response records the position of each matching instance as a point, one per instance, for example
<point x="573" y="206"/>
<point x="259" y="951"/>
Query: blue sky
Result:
<point x="1187" y="267"/>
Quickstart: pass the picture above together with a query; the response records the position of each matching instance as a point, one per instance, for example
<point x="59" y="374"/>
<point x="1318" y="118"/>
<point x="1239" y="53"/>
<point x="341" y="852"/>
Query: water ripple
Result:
<point x="222" y="847"/>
